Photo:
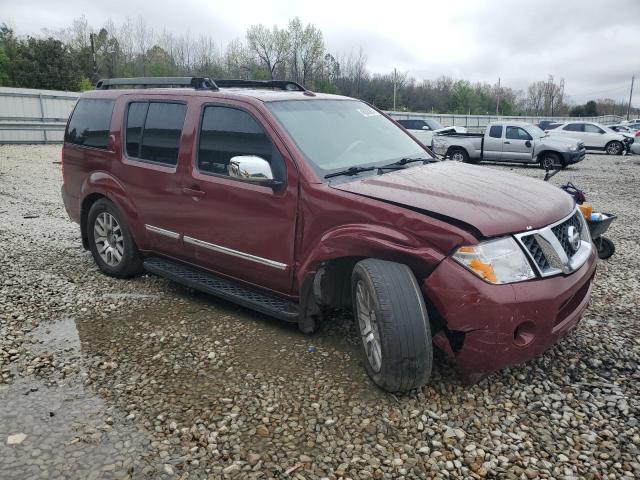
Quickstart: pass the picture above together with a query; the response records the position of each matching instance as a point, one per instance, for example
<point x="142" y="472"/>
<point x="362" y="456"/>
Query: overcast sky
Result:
<point x="594" y="45"/>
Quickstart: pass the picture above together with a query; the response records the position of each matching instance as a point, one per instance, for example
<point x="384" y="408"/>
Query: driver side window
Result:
<point x="228" y="132"/>
<point x="517" y="133"/>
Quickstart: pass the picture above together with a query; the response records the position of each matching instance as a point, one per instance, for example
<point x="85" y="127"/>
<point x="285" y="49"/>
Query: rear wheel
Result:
<point x="459" y="155"/>
<point x="111" y="242"/>
<point x="614" y="148"/>
<point x="392" y="321"/>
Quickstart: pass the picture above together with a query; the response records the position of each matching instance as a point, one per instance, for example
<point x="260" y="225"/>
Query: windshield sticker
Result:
<point x="369" y="112"/>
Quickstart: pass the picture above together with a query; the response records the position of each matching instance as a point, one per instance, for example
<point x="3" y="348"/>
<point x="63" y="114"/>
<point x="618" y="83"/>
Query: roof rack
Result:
<point x="276" y="84"/>
<point x="199" y="83"/>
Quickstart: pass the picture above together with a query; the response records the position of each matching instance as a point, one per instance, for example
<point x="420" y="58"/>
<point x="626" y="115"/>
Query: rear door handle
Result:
<point x="508" y="142"/>
<point x="192" y="192"/>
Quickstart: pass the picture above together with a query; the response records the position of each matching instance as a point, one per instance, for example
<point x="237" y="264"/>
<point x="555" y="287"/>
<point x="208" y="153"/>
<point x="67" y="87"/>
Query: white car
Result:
<point x="595" y="136"/>
<point x="423" y="129"/>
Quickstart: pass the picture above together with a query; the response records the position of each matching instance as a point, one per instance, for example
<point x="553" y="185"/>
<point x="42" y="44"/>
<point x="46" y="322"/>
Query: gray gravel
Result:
<point x="102" y="378"/>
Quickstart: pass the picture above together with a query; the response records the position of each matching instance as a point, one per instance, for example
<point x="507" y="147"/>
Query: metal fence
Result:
<point x="34" y="116"/>
<point x="479" y="122"/>
<point x="40" y="116"/>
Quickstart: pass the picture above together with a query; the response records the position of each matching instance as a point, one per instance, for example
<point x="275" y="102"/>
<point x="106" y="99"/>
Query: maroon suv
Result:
<point x="290" y="202"/>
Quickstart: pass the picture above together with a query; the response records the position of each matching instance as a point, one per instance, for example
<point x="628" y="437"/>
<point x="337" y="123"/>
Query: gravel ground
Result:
<point x="102" y="378"/>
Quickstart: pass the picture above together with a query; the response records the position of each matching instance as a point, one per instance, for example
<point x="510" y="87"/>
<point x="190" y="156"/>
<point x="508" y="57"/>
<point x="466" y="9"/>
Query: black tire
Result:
<point x="550" y="161"/>
<point x="403" y="324"/>
<point x="614" y="148"/>
<point x="130" y="263"/>
<point x="605" y="247"/>
<point x="459" y="155"/>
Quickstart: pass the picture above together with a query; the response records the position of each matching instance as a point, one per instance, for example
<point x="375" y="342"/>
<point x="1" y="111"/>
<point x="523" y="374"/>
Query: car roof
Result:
<point x="260" y="94"/>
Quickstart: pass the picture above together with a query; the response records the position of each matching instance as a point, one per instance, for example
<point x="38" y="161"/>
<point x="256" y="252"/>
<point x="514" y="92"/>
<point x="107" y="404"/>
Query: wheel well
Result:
<point x="454" y="149"/>
<point x="332" y="283"/>
<point x="84" y="214"/>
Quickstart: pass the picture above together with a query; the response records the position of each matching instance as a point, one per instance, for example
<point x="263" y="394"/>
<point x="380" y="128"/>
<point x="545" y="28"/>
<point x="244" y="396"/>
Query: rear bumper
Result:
<point x="490" y="327"/>
<point x="71" y="204"/>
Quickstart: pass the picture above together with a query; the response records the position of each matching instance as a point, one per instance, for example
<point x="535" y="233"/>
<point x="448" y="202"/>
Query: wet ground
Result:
<point x="103" y="378"/>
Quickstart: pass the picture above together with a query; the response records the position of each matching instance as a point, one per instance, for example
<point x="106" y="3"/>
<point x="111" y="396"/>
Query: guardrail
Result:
<point x="34" y="116"/>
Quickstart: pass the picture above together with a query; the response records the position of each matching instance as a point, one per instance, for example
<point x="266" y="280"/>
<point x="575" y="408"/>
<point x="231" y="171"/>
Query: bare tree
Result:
<point x="270" y="46"/>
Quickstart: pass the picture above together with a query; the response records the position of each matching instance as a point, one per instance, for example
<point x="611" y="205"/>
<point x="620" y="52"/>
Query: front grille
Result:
<point x="536" y="252"/>
<point x="560" y="231"/>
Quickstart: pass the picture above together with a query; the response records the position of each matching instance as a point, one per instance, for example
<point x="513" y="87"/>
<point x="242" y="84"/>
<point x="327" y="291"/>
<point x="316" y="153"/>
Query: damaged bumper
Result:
<point x="489" y="327"/>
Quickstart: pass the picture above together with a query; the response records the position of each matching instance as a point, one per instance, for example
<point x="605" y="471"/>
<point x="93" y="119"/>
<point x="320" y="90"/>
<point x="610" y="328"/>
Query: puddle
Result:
<point x="60" y="337"/>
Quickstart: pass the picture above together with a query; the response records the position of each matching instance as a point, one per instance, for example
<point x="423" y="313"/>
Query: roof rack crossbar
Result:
<point x="198" y="83"/>
<point x="276" y="84"/>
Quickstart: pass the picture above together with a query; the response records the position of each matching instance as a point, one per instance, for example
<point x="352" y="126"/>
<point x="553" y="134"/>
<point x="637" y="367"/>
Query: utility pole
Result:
<point x="498" y="102"/>
<point x="395" y="76"/>
<point x="630" y="95"/>
<point x="93" y="54"/>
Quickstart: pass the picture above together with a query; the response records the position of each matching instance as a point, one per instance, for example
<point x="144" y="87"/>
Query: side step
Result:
<point x="206" y="282"/>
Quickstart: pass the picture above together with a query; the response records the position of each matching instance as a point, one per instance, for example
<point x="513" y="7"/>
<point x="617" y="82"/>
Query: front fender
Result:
<point x="370" y="241"/>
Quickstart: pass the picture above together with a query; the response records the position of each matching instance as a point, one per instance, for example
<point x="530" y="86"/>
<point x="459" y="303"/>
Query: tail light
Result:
<point x="638" y="133"/>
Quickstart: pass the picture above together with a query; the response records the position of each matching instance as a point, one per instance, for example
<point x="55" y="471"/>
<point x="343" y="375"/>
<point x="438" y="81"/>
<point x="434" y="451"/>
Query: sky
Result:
<point x="593" y="45"/>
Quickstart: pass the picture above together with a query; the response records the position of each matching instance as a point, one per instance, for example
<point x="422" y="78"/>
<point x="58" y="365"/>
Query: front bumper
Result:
<point x="574" y="157"/>
<point x="484" y="322"/>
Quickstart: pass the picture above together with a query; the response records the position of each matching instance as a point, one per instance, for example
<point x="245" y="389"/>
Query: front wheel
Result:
<point x="614" y="148"/>
<point x="392" y="321"/>
<point x="550" y="161"/>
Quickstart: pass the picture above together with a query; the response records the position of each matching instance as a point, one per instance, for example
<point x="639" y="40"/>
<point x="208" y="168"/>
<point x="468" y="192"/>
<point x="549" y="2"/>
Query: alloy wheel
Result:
<point x="368" y="324"/>
<point x="108" y="239"/>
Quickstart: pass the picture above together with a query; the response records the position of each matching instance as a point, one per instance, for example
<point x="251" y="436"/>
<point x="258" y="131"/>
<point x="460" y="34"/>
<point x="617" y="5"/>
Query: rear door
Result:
<point x="517" y="145"/>
<point x="233" y="227"/>
<point x="493" y="143"/>
<point x="151" y="136"/>
<point x="573" y="130"/>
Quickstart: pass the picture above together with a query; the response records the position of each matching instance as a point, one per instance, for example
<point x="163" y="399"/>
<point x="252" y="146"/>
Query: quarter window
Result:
<point x="495" y="131"/>
<point x="229" y="132"/>
<point x="153" y="131"/>
<point x="90" y="122"/>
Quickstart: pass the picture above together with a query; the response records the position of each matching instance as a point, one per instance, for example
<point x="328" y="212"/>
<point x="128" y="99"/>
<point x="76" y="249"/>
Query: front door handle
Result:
<point x="192" y="192"/>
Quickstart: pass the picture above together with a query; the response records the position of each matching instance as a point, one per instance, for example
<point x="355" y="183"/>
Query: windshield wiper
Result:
<point x="405" y="160"/>
<point x="350" y="171"/>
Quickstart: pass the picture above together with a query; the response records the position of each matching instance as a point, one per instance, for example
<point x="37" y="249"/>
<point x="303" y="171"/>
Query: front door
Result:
<point x="517" y="145"/>
<point x="233" y="227"/>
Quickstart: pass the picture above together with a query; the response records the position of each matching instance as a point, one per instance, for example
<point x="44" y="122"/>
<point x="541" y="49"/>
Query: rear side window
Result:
<point x="90" y="122"/>
<point x="153" y="131"/>
<point x="495" y="131"/>
<point x="592" y="128"/>
<point x="228" y="132"/>
<point x="574" y="127"/>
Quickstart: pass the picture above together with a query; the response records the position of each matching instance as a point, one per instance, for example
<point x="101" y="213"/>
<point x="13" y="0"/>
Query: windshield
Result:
<point x="338" y="134"/>
<point x="535" y="132"/>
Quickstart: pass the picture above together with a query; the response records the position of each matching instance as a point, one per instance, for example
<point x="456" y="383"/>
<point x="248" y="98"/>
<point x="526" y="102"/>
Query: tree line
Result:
<point x="74" y="58"/>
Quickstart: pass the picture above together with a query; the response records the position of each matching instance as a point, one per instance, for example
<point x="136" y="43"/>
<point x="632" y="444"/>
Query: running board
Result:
<point x="263" y="302"/>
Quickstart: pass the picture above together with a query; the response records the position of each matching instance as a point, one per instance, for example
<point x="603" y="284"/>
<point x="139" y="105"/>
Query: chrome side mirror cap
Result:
<point x="251" y="168"/>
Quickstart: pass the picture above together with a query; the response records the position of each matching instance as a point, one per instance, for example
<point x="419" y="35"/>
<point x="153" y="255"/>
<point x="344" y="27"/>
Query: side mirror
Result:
<point x="426" y="127"/>
<point x="251" y="168"/>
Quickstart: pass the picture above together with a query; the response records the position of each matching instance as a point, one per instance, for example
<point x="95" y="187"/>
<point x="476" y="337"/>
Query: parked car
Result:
<point x="510" y="142"/>
<point x="595" y="136"/>
<point x="424" y="129"/>
<point x="291" y="202"/>
<point x="622" y="129"/>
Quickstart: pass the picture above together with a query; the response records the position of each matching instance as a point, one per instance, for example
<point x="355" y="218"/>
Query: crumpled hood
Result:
<point x="492" y="201"/>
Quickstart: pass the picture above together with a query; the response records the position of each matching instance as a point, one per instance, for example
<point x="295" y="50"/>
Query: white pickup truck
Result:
<point x="517" y="142"/>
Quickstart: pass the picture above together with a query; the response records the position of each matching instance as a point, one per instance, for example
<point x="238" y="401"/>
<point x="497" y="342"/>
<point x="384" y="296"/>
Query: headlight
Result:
<point x="573" y="148"/>
<point x="496" y="261"/>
